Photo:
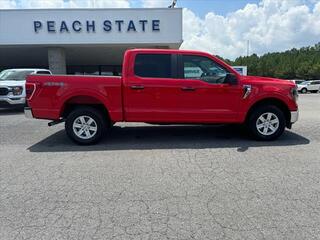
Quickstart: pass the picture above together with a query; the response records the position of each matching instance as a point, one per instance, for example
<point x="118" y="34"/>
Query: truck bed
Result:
<point x="55" y="93"/>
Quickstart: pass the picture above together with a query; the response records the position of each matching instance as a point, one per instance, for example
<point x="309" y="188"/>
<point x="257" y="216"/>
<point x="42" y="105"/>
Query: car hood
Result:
<point x="256" y="79"/>
<point x="12" y="83"/>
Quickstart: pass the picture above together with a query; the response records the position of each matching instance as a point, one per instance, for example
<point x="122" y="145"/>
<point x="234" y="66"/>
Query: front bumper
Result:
<point x="13" y="101"/>
<point x="28" y="112"/>
<point x="294" y="116"/>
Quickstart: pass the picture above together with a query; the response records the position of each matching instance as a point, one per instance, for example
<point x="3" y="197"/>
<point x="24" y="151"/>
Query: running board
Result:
<point x="55" y="122"/>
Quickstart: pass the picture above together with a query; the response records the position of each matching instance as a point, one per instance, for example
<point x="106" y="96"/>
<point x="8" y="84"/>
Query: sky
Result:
<point x="223" y="27"/>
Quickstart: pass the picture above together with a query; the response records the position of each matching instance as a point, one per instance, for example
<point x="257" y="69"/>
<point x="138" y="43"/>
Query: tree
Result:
<point x="303" y="63"/>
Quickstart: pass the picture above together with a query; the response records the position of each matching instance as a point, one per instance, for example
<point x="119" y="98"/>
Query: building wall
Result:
<point x="90" y="26"/>
<point x="60" y="38"/>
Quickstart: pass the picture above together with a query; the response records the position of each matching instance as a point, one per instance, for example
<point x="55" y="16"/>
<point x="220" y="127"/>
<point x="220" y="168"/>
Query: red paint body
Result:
<point x="161" y="100"/>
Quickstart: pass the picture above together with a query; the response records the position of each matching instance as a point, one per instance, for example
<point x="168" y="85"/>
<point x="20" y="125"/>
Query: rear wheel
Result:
<point x="266" y="123"/>
<point x="85" y="125"/>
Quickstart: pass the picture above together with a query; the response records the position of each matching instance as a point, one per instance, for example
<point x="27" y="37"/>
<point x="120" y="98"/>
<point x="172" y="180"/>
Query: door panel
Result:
<point x="156" y="102"/>
<point x="209" y="103"/>
<point x="213" y="100"/>
<point x="151" y="89"/>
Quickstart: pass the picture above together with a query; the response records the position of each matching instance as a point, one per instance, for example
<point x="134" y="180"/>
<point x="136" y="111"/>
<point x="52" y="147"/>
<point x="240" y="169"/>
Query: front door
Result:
<point x="206" y="97"/>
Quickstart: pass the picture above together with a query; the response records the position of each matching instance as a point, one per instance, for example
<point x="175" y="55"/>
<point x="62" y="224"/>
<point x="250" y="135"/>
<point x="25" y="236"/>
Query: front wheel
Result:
<point x="304" y="90"/>
<point x="266" y="123"/>
<point x="85" y="125"/>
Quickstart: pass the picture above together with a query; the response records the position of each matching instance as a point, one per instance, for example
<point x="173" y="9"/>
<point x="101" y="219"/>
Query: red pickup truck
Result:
<point x="163" y="87"/>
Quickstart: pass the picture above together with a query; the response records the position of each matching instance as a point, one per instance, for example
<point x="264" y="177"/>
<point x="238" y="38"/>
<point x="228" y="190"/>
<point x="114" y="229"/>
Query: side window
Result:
<point x="43" y="72"/>
<point x="153" y="65"/>
<point x="203" y="68"/>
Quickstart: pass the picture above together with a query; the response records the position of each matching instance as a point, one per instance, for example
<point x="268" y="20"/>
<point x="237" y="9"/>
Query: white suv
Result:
<point x="309" y="86"/>
<point x="12" y="86"/>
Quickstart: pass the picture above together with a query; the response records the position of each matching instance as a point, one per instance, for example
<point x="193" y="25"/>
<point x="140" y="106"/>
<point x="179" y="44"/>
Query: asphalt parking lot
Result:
<point x="160" y="182"/>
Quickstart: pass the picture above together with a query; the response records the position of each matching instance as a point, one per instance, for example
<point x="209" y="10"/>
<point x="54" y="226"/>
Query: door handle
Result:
<point x="137" y="87"/>
<point x="190" y="89"/>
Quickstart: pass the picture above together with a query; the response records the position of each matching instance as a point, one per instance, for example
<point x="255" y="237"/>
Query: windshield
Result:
<point x="15" y="75"/>
<point x="304" y="83"/>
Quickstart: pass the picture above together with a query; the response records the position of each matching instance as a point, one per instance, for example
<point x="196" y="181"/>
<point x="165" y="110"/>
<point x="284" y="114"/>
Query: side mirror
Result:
<point x="231" y="79"/>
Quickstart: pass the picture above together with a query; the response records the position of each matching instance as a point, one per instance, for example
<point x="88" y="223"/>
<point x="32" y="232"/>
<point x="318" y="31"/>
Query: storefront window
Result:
<point x="74" y="70"/>
<point x="107" y="71"/>
<point x="104" y="70"/>
<point x="91" y="70"/>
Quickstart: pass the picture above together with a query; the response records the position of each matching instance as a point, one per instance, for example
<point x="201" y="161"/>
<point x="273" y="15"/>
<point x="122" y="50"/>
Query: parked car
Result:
<point x="158" y="86"/>
<point x="12" y="86"/>
<point x="309" y="86"/>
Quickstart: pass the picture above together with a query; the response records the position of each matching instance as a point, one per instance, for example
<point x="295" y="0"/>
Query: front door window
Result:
<point x="204" y="69"/>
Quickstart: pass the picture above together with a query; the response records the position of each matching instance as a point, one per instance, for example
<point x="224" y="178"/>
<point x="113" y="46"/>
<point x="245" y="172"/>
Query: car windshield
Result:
<point x="304" y="83"/>
<point x="14" y="75"/>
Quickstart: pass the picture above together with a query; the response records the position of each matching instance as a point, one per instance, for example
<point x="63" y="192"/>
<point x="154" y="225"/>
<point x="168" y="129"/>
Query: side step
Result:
<point x="55" y="122"/>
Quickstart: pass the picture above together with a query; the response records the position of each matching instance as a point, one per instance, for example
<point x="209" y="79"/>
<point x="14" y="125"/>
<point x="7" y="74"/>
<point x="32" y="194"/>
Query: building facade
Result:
<point x="83" y="41"/>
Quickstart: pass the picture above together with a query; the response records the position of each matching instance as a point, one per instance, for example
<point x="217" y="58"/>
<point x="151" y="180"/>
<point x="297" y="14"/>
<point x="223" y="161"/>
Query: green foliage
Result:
<point x="303" y="63"/>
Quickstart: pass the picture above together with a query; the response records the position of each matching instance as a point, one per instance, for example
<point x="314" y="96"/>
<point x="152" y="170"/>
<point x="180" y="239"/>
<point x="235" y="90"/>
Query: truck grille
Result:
<point x="4" y="91"/>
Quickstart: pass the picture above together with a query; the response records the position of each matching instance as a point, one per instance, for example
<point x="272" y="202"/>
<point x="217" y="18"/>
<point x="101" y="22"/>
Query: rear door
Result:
<point x="151" y="88"/>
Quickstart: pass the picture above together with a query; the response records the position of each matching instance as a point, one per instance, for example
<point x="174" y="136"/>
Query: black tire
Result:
<point x="88" y="112"/>
<point x="253" y="121"/>
<point x="304" y="90"/>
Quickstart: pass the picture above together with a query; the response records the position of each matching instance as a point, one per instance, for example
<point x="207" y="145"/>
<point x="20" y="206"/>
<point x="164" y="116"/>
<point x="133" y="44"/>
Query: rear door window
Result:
<point x="153" y="65"/>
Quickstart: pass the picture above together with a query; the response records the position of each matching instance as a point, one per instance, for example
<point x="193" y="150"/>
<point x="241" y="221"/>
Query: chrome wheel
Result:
<point x="85" y="127"/>
<point x="267" y="124"/>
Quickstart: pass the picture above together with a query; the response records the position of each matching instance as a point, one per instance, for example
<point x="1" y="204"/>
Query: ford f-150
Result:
<point x="163" y="86"/>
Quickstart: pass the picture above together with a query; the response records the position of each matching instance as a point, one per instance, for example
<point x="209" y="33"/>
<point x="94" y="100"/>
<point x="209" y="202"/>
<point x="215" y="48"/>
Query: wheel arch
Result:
<point x="273" y="102"/>
<point x="84" y="100"/>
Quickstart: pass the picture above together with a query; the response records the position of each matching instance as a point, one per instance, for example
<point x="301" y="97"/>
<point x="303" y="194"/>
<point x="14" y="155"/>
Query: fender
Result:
<point x="269" y="92"/>
<point x="88" y="95"/>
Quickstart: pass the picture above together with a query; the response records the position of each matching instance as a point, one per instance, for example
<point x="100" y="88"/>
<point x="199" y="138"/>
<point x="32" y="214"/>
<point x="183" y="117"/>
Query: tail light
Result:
<point x="30" y="89"/>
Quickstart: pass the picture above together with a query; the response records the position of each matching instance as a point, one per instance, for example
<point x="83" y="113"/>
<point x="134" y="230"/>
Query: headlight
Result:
<point x="16" y="90"/>
<point x="294" y="93"/>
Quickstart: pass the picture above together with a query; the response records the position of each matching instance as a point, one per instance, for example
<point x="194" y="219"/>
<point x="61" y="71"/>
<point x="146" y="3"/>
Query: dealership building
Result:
<point x="83" y="41"/>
